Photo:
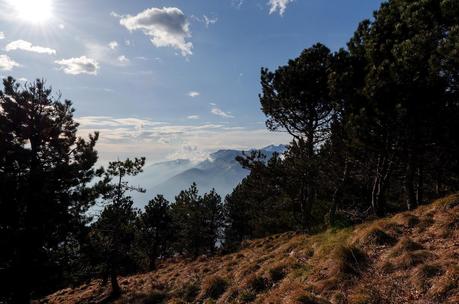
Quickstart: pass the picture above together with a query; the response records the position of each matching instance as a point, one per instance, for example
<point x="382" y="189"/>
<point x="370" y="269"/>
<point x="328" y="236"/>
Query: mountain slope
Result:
<point x="407" y="258"/>
<point x="220" y="171"/>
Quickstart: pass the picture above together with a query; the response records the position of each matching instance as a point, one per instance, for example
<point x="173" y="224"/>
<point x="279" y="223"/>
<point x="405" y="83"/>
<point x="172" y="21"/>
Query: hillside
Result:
<point x="219" y="171"/>
<point x="411" y="257"/>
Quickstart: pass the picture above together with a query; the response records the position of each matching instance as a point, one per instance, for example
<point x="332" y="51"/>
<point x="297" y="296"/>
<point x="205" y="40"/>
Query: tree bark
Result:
<point x="116" y="290"/>
<point x="336" y="200"/>
<point x="411" y="202"/>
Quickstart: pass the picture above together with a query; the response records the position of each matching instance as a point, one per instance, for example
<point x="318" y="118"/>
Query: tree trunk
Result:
<point x="116" y="290"/>
<point x="420" y="187"/>
<point x="336" y="200"/>
<point x="411" y="202"/>
<point x="378" y="195"/>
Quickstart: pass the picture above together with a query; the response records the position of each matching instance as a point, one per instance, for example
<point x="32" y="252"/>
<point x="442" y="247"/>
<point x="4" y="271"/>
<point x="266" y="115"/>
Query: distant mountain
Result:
<point x="220" y="171"/>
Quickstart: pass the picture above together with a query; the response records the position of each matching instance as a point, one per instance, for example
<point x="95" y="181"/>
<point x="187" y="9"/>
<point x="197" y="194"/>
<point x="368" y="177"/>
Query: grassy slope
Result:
<point x="412" y="257"/>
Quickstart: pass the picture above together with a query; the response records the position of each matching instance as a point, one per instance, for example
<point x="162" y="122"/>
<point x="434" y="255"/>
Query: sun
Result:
<point x="34" y="11"/>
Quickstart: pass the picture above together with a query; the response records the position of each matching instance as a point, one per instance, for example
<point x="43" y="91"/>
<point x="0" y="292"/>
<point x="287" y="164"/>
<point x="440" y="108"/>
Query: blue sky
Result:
<point x="167" y="79"/>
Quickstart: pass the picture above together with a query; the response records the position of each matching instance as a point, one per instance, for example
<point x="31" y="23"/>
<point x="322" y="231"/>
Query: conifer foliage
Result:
<point x="45" y="171"/>
<point x="374" y="130"/>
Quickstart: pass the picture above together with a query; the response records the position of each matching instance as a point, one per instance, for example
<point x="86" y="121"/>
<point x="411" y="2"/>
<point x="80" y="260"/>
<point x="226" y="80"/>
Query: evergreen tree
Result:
<point x="196" y="221"/>
<point x="45" y="176"/>
<point x="113" y="234"/>
<point x="296" y="97"/>
<point x="155" y="231"/>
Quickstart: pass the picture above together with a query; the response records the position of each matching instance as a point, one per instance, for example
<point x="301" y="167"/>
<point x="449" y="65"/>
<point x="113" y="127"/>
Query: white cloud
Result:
<point x="80" y="65"/>
<point x="278" y="6"/>
<point x="127" y="42"/>
<point x="209" y="20"/>
<point x="123" y="59"/>
<point x="7" y="64"/>
<point x="28" y="47"/>
<point x="129" y="137"/>
<point x="115" y="14"/>
<point x="194" y="117"/>
<point x="2" y="35"/>
<point x="193" y="94"/>
<point x="166" y="27"/>
<point x="104" y="54"/>
<point x="220" y="112"/>
<point x="113" y="45"/>
<point x="61" y="26"/>
<point x="237" y="3"/>
<point x="205" y="19"/>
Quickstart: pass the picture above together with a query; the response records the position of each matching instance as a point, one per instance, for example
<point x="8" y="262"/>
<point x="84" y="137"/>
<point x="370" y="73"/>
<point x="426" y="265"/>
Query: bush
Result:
<point x="247" y="296"/>
<point x="155" y="297"/>
<point x="189" y="291"/>
<point x="405" y="245"/>
<point x="350" y="260"/>
<point x="277" y="273"/>
<point x="307" y="298"/>
<point x="214" y="287"/>
<point x="376" y="236"/>
<point x="257" y="283"/>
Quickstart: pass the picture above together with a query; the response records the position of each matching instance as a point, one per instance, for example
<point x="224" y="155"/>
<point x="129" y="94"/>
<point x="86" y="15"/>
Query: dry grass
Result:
<point x="409" y="258"/>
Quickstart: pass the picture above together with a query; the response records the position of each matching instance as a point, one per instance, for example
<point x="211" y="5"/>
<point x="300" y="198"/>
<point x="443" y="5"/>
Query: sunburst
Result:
<point x="33" y="11"/>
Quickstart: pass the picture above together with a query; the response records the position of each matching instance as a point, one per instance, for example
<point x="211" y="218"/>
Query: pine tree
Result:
<point x="113" y="235"/>
<point x="45" y="176"/>
<point x="155" y="231"/>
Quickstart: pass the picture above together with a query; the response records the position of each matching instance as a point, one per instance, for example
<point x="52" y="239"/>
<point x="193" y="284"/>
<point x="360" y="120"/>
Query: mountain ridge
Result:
<point x="220" y="171"/>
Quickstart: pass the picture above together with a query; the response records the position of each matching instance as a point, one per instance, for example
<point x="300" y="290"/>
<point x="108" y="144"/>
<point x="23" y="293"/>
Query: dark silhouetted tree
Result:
<point x="196" y="221"/>
<point x="155" y="231"/>
<point x="113" y="235"/>
<point x="45" y="176"/>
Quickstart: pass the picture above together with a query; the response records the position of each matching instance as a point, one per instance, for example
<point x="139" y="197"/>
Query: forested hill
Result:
<point x="407" y="258"/>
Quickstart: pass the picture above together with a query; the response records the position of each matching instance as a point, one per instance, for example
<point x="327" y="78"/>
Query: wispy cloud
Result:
<point x="237" y="3"/>
<point x="126" y="137"/>
<point x="2" y="35"/>
<point x="7" y="64"/>
<point x="278" y="6"/>
<point x="80" y="65"/>
<point x="220" y="112"/>
<point x="123" y="59"/>
<point x="206" y="20"/>
<point x="193" y="94"/>
<point x="194" y="117"/>
<point x="113" y="45"/>
<point x="28" y="47"/>
<point x="166" y="27"/>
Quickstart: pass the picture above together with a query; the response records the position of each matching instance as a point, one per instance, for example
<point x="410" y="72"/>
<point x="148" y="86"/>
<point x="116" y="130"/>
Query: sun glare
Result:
<point x="34" y="11"/>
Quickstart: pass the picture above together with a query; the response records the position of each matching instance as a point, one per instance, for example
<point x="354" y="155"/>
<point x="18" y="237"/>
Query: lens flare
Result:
<point x="34" y="11"/>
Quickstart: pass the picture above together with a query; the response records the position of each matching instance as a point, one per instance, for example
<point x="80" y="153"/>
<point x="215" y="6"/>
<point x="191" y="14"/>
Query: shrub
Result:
<point x="277" y="273"/>
<point x="189" y="291"/>
<point x="405" y="245"/>
<point x="257" y="283"/>
<point x="350" y="260"/>
<point x="247" y="296"/>
<point x="155" y="297"/>
<point x="376" y="236"/>
<point x="214" y="287"/>
<point x="364" y="296"/>
<point x="306" y="298"/>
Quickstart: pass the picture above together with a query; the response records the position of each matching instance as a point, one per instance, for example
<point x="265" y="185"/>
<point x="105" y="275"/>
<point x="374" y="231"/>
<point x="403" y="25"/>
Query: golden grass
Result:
<point x="412" y="255"/>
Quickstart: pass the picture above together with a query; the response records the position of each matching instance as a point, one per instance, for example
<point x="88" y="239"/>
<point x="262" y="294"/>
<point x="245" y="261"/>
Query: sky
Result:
<point x="167" y="79"/>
